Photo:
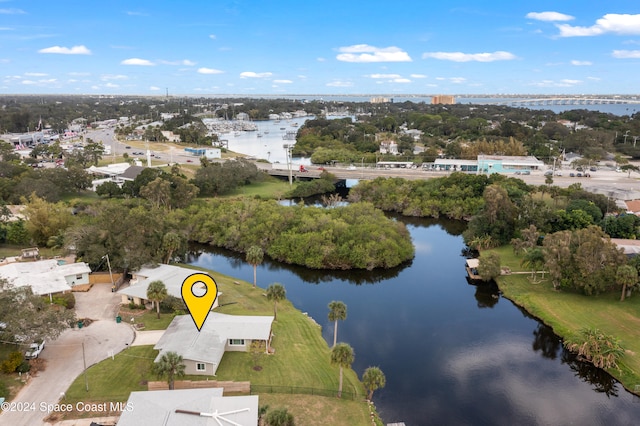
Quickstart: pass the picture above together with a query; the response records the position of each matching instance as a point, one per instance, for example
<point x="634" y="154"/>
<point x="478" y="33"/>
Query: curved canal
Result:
<point x="453" y="353"/>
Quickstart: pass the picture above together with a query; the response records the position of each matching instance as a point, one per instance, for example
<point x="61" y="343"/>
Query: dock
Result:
<point x="472" y="269"/>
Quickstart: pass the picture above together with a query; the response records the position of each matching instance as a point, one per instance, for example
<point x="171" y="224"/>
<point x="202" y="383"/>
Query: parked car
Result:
<point x="572" y="174"/>
<point x="558" y="173"/>
<point x="548" y="173"/>
<point x="34" y="350"/>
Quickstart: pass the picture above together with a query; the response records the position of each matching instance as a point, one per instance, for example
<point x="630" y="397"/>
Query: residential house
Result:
<point x="202" y="350"/>
<point x="189" y="407"/>
<point x="49" y="276"/>
<point x="172" y="277"/>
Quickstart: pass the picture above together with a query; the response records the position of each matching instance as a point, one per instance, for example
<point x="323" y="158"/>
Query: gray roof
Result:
<point x="172" y="277"/>
<point x="132" y="172"/>
<point x="158" y="408"/>
<point x="207" y="345"/>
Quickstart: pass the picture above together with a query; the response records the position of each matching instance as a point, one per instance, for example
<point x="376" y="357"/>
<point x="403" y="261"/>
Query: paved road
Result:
<point x="64" y="356"/>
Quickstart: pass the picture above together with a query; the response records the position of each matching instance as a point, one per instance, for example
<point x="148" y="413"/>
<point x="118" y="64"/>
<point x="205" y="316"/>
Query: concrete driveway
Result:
<point x="64" y="355"/>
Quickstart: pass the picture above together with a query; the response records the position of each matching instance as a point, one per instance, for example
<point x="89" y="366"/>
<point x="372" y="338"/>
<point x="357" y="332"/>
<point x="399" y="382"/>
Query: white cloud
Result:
<point x="185" y="62"/>
<point x="112" y="85"/>
<point x="137" y="61"/>
<point x="12" y="12"/>
<point x="251" y="74"/>
<point x="621" y="24"/>
<point x="626" y="54"/>
<point x="367" y="54"/>
<point x="418" y="76"/>
<point x="321" y="59"/>
<point x="209" y="71"/>
<point x="75" y="50"/>
<point x="552" y="83"/>
<point x="35" y="74"/>
<point x="549" y="16"/>
<point x="581" y="63"/>
<point x="79" y="74"/>
<point x="154" y="88"/>
<point x="108" y="77"/>
<point x="401" y="80"/>
<point x="283" y="81"/>
<point x="457" y="80"/>
<point x="338" y="83"/>
<point x="212" y="36"/>
<point x="385" y="76"/>
<point x="131" y="13"/>
<point x="466" y="57"/>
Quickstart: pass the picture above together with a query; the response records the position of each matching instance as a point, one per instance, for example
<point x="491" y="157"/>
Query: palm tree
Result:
<point x="276" y="292"/>
<point x="255" y="255"/>
<point x="157" y="292"/>
<point x="373" y="378"/>
<point x="170" y="365"/>
<point x="626" y="276"/>
<point x="342" y="355"/>
<point x="171" y="242"/>
<point x="337" y="311"/>
<point x="534" y="260"/>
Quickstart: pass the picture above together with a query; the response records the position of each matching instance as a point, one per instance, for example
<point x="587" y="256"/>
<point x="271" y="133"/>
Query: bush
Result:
<point x="23" y="367"/>
<point x="11" y="364"/>
<point x="68" y="300"/>
<point x="172" y="304"/>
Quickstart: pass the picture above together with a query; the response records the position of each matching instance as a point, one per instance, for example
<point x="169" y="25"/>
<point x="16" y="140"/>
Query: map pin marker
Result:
<point x="199" y="292"/>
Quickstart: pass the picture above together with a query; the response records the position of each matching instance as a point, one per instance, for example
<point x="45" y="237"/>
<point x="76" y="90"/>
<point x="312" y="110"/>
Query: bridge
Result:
<point x="566" y="100"/>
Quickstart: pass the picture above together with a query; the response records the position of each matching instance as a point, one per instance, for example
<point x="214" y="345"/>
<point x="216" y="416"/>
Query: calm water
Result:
<point x="453" y="353"/>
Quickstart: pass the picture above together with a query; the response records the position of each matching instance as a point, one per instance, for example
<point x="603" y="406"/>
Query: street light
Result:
<point x="287" y="147"/>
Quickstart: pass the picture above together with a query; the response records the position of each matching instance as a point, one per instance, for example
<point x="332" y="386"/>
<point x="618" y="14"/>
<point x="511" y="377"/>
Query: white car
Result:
<point x="34" y="350"/>
<point x="558" y="173"/>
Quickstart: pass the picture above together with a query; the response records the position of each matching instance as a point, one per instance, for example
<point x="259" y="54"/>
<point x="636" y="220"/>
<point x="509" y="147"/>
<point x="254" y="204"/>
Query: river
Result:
<point x="453" y="353"/>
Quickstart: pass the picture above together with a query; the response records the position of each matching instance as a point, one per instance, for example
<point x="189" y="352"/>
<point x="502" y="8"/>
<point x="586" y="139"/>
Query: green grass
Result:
<point x="302" y="359"/>
<point x="7" y="250"/>
<point x="568" y="313"/>
<point x="148" y="318"/>
<point x="270" y="188"/>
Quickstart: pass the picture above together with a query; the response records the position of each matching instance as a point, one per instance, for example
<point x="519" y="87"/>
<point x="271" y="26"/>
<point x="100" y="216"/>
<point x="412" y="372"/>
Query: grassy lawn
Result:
<point x="568" y="313"/>
<point x="270" y="188"/>
<point x="148" y="318"/>
<point x="302" y="359"/>
<point x="9" y="383"/>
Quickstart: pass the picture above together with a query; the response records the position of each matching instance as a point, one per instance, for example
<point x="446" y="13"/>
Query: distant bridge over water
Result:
<point x="574" y="100"/>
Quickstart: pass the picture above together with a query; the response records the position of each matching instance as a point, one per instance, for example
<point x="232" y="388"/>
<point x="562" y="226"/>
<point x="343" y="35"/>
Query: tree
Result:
<point x="172" y="242"/>
<point x="170" y="365"/>
<point x="337" y="311"/>
<point x="257" y="349"/>
<point x="30" y="316"/>
<point x="373" y="378"/>
<point x="276" y="292"/>
<point x="602" y="350"/>
<point x="626" y="276"/>
<point x="280" y="417"/>
<point x="342" y="355"/>
<point x="255" y="255"/>
<point x="489" y="266"/>
<point x="534" y="260"/>
<point x="157" y="292"/>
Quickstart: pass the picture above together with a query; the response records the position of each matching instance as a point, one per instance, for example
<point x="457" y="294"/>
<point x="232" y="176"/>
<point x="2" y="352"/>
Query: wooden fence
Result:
<point x="236" y="388"/>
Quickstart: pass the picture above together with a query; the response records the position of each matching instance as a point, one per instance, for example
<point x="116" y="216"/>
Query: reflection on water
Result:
<point x="453" y="352"/>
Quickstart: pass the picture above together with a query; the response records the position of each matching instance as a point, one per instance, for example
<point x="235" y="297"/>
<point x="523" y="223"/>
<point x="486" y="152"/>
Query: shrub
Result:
<point x="68" y="300"/>
<point x="172" y="304"/>
<point x="10" y="364"/>
<point x="23" y="367"/>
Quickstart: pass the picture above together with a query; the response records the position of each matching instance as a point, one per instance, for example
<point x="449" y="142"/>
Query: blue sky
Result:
<point x="324" y="47"/>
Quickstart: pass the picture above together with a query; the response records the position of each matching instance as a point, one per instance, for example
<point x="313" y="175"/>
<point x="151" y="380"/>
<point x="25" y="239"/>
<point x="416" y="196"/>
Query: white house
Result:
<point x="172" y="277"/>
<point x="202" y="350"/>
<point x="189" y="407"/>
<point x="46" y="276"/>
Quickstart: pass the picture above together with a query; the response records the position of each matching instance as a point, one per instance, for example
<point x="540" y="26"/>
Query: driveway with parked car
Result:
<point x="66" y="355"/>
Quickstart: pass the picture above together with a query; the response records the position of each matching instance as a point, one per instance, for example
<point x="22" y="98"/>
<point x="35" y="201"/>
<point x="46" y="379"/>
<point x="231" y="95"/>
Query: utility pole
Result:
<point x="113" y="286"/>
<point x="84" y="362"/>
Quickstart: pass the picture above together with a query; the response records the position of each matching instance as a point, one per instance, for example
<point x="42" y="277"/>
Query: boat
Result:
<point x="472" y="269"/>
<point x="283" y="128"/>
<point x="259" y="135"/>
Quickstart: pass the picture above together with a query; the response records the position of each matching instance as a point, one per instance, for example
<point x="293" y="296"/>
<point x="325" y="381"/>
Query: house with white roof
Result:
<point x="46" y="277"/>
<point x="189" y="407"/>
<point x="202" y="350"/>
<point x="172" y="277"/>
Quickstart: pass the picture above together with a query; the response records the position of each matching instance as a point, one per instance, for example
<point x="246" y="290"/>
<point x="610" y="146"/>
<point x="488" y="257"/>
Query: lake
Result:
<point x="453" y="353"/>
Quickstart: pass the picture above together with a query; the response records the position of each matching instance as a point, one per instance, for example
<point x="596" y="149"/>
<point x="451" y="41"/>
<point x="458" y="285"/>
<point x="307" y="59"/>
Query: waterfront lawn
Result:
<point x="147" y="317"/>
<point x="568" y="313"/>
<point x="269" y="188"/>
<point x="302" y="359"/>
